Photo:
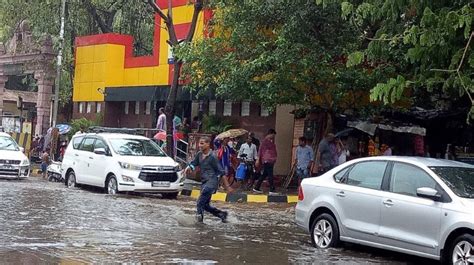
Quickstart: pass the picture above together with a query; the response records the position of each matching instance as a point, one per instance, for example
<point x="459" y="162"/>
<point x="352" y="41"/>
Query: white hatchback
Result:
<point x="120" y="163"/>
<point x="13" y="163"/>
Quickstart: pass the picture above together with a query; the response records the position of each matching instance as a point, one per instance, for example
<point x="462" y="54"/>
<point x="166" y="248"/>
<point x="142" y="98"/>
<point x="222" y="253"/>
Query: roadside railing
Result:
<point x="181" y="147"/>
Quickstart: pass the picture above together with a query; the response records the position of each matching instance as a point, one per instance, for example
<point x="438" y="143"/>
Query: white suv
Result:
<point x="119" y="163"/>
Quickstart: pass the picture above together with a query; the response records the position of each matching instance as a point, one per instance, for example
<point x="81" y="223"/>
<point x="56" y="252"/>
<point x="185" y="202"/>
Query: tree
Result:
<point x="278" y="52"/>
<point x="419" y="45"/>
<point x="83" y="17"/>
<point x="178" y="62"/>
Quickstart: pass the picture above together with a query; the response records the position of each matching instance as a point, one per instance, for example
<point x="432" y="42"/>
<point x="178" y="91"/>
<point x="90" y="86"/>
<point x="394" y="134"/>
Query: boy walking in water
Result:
<point x="211" y="171"/>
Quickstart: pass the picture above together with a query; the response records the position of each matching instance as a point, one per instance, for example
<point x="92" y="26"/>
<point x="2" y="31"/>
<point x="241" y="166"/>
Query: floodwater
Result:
<point x="46" y="223"/>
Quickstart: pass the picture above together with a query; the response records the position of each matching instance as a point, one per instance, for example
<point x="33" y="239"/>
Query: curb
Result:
<point x="242" y="197"/>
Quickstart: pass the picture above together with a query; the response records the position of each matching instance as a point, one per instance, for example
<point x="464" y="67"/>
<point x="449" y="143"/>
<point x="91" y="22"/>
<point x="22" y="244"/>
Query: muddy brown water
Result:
<point x="45" y="223"/>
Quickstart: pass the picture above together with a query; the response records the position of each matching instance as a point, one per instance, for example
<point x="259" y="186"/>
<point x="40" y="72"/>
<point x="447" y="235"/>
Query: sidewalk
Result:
<point x="192" y="189"/>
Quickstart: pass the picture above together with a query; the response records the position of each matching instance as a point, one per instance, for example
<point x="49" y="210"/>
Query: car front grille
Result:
<point x="9" y="162"/>
<point x="9" y="172"/>
<point x="150" y="174"/>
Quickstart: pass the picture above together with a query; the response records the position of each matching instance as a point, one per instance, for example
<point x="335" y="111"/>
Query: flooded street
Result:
<point x="43" y="222"/>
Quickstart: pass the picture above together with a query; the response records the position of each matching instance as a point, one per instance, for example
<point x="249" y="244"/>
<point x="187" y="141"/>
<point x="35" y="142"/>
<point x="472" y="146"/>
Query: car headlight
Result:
<point x="127" y="179"/>
<point x="178" y="168"/>
<point x="130" y="166"/>
<point x="25" y="163"/>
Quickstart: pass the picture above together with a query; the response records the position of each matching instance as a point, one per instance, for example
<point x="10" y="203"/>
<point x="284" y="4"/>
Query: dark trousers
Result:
<point x="267" y="172"/>
<point x="204" y="201"/>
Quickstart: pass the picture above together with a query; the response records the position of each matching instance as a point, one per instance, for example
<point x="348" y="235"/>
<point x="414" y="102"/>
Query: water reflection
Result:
<point x="43" y="222"/>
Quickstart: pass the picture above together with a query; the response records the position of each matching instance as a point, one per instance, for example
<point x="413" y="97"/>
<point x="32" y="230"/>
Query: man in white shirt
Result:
<point x="161" y="122"/>
<point x="248" y="153"/>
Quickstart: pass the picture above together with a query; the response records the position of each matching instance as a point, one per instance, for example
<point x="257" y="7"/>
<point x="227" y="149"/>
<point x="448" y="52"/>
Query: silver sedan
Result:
<point x="418" y="206"/>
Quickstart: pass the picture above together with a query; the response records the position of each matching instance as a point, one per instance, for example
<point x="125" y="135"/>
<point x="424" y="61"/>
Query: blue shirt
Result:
<point x="304" y="156"/>
<point x="210" y="167"/>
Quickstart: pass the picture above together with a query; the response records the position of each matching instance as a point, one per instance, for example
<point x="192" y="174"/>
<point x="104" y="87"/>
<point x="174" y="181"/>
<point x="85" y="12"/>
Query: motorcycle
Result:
<point x="54" y="172"/>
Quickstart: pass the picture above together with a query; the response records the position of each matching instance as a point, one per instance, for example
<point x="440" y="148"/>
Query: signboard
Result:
<point x="27" y="127"/>
<point x="11" y="124"/>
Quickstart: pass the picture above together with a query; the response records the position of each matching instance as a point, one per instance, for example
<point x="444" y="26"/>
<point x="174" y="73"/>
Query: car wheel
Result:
<point x="71" y="180"/>
<point x="461" y="250"/>
<point x="171" y="196"/>
<point x="112" y="186"/>
<point x="324" y="231"/>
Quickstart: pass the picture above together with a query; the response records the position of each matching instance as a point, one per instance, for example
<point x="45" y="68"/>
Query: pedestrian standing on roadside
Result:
<point x="211" y="171"/>
<point x="255" y="140"/>
<point x="325" y="157"/>
<point x="304" y="159"/>
<point x="248" y="154"/>
<point x="45" y="160"/>
<point x="161" y="122"/>
<point x="267" y="157"/>
<point x="224" y="154"/>
<point x="342" y="152"/>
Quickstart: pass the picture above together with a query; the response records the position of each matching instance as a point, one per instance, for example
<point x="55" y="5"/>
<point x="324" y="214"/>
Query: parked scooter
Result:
<point x="54" y="172"/>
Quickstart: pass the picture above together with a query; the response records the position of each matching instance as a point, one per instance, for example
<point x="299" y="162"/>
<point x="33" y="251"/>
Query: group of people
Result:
<point x="179" y="124"/>
<point x="331" y="152"/>
<point x="216" y="165"/>
<point x="258" y="159"/>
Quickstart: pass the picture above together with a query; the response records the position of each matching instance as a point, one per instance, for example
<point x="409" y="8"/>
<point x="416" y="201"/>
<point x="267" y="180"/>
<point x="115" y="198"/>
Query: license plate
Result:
<point x="160" y="184"/>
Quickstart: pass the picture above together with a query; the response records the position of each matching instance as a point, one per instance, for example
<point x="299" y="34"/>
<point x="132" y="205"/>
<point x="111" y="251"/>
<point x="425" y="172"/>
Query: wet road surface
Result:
<point x="43" y="222"/>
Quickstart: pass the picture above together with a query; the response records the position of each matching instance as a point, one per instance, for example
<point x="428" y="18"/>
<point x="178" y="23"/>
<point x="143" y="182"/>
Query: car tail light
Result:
<point x="300" y="193"/>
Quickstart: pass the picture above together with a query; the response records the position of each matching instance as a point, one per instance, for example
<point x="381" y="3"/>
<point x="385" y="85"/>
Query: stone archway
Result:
<point x="22" y="55"/>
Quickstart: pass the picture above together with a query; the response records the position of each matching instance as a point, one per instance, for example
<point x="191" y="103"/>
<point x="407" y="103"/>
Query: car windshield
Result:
<point x="136" y="147"/>
<point x="7" y="143"/>
<point x="459" y="179"/>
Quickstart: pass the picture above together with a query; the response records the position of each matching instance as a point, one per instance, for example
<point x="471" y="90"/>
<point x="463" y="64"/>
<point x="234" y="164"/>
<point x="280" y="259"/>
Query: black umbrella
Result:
<point x="344" y="132"/>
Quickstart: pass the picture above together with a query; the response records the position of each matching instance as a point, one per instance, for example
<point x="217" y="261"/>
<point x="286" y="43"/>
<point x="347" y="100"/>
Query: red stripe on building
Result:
<point x="208" y="14"/>
<point x="182" y="30"/>
<point x="163" y="4"/>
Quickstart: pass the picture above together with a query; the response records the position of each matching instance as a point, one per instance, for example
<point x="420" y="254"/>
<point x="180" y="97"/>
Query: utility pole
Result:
<point x="59" y="64"/>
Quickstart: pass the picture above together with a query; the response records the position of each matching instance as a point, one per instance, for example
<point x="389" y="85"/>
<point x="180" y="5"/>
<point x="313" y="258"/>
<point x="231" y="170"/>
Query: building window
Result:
<point x="212" y="107"/>
<point x="227" y="108"/>
<point x="264" y="112"/>
<point x="137" y="107"/>
<point x="148" y="108"/>
<point x="89" y="107"/>
<point x="81" y="107"/>
<point x="245" y="108"/>
<point x="98" y="107"/>
<point x="127" y="106"/>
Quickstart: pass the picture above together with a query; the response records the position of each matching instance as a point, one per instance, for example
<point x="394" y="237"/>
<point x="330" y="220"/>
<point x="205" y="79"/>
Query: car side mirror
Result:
<point x="428" y="193"/>
<point x="22" y="149"/>
<point x="100" y="151"/>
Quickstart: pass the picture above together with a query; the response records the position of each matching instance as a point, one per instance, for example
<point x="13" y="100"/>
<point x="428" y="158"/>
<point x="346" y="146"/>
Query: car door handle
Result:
<point x="76" y="155"/>
<point x="341" y="194"/>
<point x="388" y="202"/>
<point x="90" y="157"/>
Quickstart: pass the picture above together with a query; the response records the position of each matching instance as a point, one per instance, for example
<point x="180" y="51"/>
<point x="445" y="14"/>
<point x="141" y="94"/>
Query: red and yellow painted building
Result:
<point x="127" y="90"/>
<point x="106" y="69"/>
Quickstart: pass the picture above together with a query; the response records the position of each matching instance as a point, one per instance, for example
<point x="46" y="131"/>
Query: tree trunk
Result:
<point x="329" y="123"/>
<point x="170" y="108"/>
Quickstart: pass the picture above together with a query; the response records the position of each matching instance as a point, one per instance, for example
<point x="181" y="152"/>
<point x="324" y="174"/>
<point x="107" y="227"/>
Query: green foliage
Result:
<point x="77" y="124"/>
<point x="355" y="58"/>
<point x="214" y="124"/>
<point x="277" y="52"/>
<point x="422" y="41"/>
<point x="125" y="17"/>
